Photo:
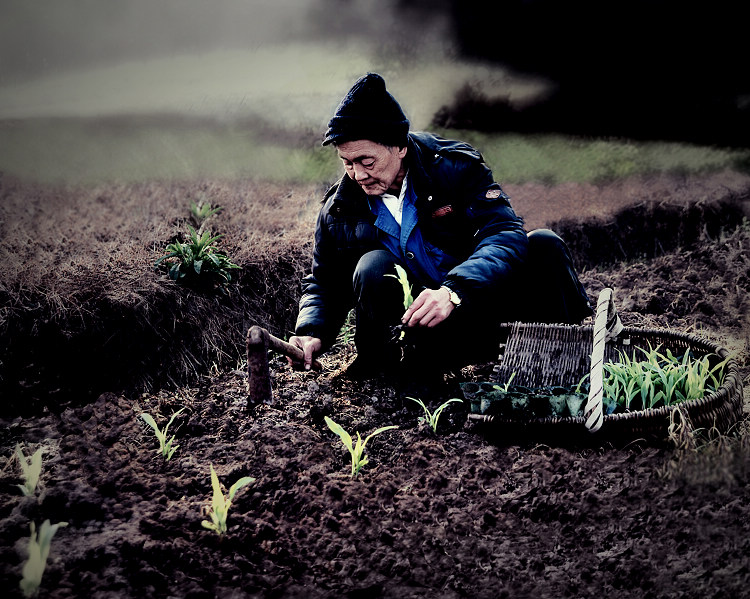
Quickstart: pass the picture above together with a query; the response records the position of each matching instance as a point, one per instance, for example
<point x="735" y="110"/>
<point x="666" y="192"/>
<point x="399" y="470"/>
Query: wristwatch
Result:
<point x="454" y="297"/>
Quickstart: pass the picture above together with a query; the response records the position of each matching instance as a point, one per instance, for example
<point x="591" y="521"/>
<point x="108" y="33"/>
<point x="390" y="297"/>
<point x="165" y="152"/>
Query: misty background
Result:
<point x="640" y="69"/>
<point x="282" y="59"/>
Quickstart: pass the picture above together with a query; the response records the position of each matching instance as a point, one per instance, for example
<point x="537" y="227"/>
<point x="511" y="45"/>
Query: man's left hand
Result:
<point x="431" y="307"/>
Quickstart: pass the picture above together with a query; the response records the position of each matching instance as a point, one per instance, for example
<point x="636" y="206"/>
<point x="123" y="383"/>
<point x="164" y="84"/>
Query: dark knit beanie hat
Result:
<point x="368" y="111"/>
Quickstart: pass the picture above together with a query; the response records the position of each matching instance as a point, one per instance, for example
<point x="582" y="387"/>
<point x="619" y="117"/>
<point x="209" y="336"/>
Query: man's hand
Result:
<point x="431" y="307"/>
<point x="310" y="346"/>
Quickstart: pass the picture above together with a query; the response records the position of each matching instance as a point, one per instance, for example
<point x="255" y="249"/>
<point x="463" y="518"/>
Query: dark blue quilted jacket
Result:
<point x="461" y="209"/>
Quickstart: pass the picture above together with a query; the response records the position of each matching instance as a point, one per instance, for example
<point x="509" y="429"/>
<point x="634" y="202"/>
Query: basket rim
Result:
<point x="719" y="396"/>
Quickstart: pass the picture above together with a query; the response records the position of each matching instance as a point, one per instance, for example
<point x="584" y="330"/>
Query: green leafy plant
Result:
<point x="201" y="211"/>
<point x="198" y="262"/>
<point x="519" y="401"/>
<point x="31" y="469"/>
<point x="39" y="545"/>
<point x="220" y="504"/>
<point x="660" y="378"/>
<point x="431" y="418"/>
<point x="346" y="334"/>
<point x="357" y="451"/>
<point x="403" y="279"/>
<point x="166" y="446"/>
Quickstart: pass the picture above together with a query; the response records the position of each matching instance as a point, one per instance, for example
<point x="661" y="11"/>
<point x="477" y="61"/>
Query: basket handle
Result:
<point x="607" y="325"/>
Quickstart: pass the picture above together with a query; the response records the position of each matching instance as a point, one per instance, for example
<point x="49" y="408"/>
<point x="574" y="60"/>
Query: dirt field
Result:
<point x="449" y="515"/>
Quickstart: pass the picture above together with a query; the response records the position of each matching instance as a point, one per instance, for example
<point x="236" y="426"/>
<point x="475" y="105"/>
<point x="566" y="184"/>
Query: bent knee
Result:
<point x="546" y="244"/>
<point x="373" y="265"/>
<point x="544" y="236"/>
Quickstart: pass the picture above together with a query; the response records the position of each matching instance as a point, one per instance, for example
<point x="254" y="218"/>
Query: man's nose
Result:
<point x="360" y="174"/>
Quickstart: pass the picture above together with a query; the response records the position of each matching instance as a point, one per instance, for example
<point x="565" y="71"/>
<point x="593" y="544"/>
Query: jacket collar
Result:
<point x="421" y="155"/>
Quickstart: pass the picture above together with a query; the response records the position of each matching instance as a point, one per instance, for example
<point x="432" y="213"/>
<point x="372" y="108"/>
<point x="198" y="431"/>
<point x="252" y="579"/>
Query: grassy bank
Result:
<point x="555" y="159"/>
<point x="139" y="148"/>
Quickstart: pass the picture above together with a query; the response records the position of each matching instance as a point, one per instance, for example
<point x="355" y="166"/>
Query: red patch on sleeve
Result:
<point x="442" y="211"/>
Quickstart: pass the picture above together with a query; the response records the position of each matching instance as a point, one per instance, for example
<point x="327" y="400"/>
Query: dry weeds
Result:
<point x="83" y="311"/>
<point x="81" y="299"/>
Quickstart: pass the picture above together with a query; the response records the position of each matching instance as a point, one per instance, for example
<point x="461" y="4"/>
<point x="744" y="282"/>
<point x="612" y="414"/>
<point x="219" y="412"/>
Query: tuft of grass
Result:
<point x="706" y="456"/>
<point x="680" y="431"/>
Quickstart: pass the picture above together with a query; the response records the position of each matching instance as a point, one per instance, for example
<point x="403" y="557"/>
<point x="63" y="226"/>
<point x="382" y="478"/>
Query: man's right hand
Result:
<point x="310" y="346"/>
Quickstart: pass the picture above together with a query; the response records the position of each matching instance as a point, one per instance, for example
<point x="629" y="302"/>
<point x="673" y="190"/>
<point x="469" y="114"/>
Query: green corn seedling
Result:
<point x="39" y="545"/>
<point x="431" y="418"/>
<point x="359" y="459"/>
<point x="402" y="278"/>
<point x="31" y="469"/>
<point x="506" y="386"/>
<point x="220" y="504"/>
<point x="166" y="446"/>
<point x="660" y="378"/>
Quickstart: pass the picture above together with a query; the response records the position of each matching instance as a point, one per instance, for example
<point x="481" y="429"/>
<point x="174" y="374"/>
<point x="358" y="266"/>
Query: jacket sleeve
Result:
<point x="499" y="243"/>
<point x="326" y="291"/>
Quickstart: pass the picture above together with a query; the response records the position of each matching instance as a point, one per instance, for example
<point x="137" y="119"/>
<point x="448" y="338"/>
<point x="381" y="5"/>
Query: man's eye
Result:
<point x="368" y="163"/>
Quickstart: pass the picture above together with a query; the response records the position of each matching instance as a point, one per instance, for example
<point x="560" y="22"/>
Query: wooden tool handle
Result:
<point x="288" y="349"/>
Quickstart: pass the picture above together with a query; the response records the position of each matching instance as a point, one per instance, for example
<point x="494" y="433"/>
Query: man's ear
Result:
<point x="402" y="152"/>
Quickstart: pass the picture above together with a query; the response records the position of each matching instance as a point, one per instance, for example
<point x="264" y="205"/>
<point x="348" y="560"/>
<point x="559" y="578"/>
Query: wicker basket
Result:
<point x="561" y="355"/>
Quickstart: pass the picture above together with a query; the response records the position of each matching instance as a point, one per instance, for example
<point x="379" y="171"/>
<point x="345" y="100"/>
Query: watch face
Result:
<point x="455" y="300"/>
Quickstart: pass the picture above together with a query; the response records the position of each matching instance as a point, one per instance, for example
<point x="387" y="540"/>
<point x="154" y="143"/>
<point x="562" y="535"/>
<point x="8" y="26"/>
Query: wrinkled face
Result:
<point x="377" y="168"/>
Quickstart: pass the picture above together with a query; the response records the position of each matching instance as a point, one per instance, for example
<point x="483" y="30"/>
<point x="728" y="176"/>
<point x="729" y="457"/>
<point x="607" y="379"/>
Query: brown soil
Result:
<point x="448" y="515"/>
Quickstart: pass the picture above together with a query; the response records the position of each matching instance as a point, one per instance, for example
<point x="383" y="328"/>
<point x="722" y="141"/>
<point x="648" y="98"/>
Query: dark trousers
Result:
<point x="545" y="290"/>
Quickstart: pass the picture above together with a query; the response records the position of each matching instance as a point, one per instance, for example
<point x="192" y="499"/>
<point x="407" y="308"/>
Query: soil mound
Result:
<point x="443" y="515"/>
<point x="85" y="312"/>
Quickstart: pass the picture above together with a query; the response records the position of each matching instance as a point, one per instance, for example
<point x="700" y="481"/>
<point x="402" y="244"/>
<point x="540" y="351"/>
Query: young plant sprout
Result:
<point x="346" y="334"/>
<point x="506" y="386"/>
<point x="399" y="331"/>
<point x="202" y="211"/>
<point x="31" y="469"/>
<point x="431" y="418"/>
<point x="220" y="504"/>
<point x="166" y="447"/>
<point x="660" y="379"/>
<point x="402" y="278"/>
<point x="359" y="460"/>
<point x="36" y="563"/>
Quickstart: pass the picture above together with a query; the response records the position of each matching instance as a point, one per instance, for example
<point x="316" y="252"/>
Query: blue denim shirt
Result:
<point x="426" y="264"/>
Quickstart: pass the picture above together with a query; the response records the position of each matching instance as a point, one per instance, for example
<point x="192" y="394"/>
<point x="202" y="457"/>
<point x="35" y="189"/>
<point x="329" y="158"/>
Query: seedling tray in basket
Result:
<point x="535" y="386"/>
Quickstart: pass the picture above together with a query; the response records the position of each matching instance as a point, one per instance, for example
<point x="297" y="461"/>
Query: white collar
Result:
<point x="395" y="204"/>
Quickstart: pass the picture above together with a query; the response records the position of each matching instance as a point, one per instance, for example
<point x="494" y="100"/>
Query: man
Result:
<point x="431" y="206"/>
